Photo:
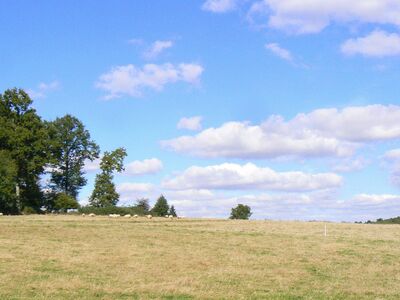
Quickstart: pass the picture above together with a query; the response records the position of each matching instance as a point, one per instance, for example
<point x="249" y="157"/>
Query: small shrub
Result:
<point x="63" y="202"/>
<point x="28" y="211"/>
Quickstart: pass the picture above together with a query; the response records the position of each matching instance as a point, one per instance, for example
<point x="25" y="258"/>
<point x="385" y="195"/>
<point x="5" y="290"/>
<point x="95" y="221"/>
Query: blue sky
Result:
<point x="288" y="106"/>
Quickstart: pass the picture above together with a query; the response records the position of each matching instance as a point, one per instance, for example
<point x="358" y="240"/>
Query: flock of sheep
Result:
<point x="125" y="216"/>
<point x="129" y="216"/>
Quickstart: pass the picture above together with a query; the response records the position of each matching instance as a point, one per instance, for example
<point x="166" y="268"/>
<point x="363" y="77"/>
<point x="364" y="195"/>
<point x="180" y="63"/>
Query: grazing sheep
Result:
<point x="92" y="215"/>
<point x="171" y="217"/>
<point x="135" y="216"/>
<point x="83" y="215"/>
<point x="127" y="216"/>
<point x="114" y="215"/>
<point x="149" y="216"/>
<point x="166" y="216"/>
<point x="1" y="214"/>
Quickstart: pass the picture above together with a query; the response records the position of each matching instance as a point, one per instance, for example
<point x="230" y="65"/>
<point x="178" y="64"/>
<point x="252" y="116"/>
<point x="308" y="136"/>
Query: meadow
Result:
<point x="75" y="257"/>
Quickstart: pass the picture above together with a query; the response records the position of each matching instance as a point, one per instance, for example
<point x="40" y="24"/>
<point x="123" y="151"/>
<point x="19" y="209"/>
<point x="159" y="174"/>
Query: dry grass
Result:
<point x="70" y="257"/>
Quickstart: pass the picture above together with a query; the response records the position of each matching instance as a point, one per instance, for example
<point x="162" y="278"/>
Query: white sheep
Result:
<point x="127" y="216"/>
<point x="92" y="215"/>
<point x="114" y="215"/>
<point x="135" y="216"/>
<point x="171" y="217"/>
<point x="1" y="214"/>
<point x="166" y="216"/>
<point x="149" y="216"/>
<point x="83" y="215"/>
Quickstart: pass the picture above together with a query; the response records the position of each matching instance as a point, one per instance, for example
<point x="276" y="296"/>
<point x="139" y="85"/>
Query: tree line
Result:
<point x="31" y="148"/>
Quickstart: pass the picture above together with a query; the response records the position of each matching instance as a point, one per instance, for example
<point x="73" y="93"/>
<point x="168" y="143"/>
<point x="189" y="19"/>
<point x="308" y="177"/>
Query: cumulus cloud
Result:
<point x="279" y="51"/>
<point x="131" y="191"/>
<point x="315" y="205"/>
<point x="392" y="160"/>
<point x="92" y="166"/>
<point x="373" y="199"/>
<point x="192" y="123"/>
<point x="147" y="166"/>
<point x="312" y="16"/>
<point x="376" y="44"/>
<point x="157" y="48"/>
<point x="350" y="165"/>
<point x="249" y="176"/>
<point x="322" y="132"/>
<point x="219" y="6"/>
<point x="42" y="90"/>
<point x="190" y="195"/>
<point x="129" y="80"/>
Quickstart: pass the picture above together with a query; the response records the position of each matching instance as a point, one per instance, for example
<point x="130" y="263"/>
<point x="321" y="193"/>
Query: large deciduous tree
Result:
<point x="104" y="193"/>
<point x="8" y="180"/>
<point x="71" y="145"/>
<point x="24" y="135"/>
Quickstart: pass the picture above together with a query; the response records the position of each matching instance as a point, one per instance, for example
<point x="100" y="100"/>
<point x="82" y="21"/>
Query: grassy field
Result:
<point x="74" y="257"/>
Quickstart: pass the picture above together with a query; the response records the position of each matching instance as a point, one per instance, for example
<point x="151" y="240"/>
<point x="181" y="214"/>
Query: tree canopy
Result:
<point x="25" y="136"/>
<point x="71" y="145"/>
<point x="161" y="208"/>
<point x="241" y="212"/>
<point x="104" y="193"/>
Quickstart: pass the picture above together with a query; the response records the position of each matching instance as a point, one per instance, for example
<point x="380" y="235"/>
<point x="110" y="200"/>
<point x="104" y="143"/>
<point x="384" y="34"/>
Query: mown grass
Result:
<point x="73" y="257"/>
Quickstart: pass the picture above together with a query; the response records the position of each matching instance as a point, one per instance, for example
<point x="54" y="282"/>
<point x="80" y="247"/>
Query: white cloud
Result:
<point x="147" y="166"/>
<point x="392" y="160"/>
<point x="279" y="51"/>
<point x="131" y="191"/>
<point x="322" y="132"/>
<point x="92" y="166"/>
<point x="190" y="195"/>
<point x="219" y="6"/>
<point x="135" y="41"/>
<point x="192" y="123"/>
<point x="393" y="154"/>
<point x="373" y="199"/>
<point x="349" y="165"/>
<point x="249" y="176"/>
<point x="43" y="89"/>
<point x="312" y="16"/>
<point x="157" y="48"/>
<point x="376" y="44"/>
<point x="130" y="80"/>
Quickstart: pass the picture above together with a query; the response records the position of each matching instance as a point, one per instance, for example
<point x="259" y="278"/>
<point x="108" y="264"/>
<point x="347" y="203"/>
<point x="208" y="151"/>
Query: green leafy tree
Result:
<point x="8" y="180"/>
<point x="241" y="212"/>
<point x="63" y="202"/>
<point x="143" y="206"/>
<point x="71" y="145"/>
<point x="172" y="211"/>
<point x="25" y="136"/>
<point x="161" y="207"/>
<point x="104" y="193"/>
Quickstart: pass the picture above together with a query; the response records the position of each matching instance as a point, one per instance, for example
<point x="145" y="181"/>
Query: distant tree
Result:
<point x="25" y="136"/>
<point x="71" y="145"/>
<point x="104" y="193"/>
<point x="172" y="211"/>
<point x="161" y="207"/>
<point x="143" y="205"/>
<point x="241" y="212"/>
<point x="63" y="202"/>
<point x="8" y="180"/>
